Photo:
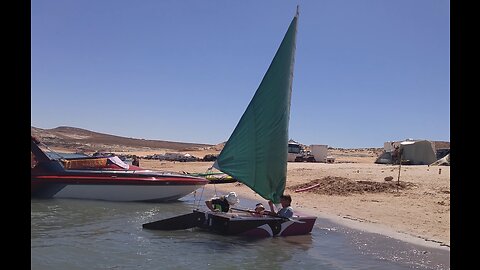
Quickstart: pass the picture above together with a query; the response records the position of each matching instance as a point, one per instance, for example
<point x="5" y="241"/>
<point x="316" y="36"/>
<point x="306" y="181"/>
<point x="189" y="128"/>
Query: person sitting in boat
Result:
<point x="259" y="210"/>
<point x="222" y="204"/>
<point x="287" y="210"/>
<point x="135" y="161"/>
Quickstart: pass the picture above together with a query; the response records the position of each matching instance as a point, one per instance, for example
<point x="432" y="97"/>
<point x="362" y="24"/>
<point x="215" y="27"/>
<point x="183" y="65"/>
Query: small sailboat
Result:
<point x="256" y="155"/>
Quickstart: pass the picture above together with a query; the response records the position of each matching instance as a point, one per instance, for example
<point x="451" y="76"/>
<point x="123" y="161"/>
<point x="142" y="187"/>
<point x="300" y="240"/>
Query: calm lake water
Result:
<point x="86" y="234"/>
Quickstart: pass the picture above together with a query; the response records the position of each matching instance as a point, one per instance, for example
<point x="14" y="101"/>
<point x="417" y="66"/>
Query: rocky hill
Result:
<point x="71" y="139"/>
<point x="82" y="140"/>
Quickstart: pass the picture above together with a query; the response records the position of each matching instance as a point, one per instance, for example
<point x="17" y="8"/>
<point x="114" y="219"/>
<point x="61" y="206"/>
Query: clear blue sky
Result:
<point x="365" y="71"/>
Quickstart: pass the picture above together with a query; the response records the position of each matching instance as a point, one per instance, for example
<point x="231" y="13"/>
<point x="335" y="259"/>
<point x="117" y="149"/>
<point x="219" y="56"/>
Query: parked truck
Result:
<point x="294" y="151"/>
<point x="313" y="153"/>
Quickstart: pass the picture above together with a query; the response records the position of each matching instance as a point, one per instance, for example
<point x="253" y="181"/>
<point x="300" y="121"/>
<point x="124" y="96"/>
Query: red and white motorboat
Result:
<point x="105" y="178"/>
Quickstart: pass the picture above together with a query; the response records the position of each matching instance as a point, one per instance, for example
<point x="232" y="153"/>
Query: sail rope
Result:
<point x="195" y="203"/>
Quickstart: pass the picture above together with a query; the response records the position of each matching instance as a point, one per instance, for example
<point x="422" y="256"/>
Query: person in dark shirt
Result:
<point x="135" y="161"/>
<point x="222" y="203"/>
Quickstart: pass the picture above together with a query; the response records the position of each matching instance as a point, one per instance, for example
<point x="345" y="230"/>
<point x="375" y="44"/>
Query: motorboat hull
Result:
<point x="114" y="185"/>
<point x="105" y="178"/>
<point x="114" y="192"/>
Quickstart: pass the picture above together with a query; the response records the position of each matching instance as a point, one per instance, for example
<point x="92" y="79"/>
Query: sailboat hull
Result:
<point x="252" y="226"/>
<point x="237" y="224"/>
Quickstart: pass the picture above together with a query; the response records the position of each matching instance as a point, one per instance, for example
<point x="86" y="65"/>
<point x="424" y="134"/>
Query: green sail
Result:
<point x="256" y="152"/>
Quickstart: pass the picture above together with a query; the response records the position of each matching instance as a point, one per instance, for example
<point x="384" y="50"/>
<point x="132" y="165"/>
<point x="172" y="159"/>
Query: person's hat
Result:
<point x="259" y="207"/>
<point x="232" y="198"/>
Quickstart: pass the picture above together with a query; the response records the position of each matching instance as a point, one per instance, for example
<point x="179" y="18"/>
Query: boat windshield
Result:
<point x="294" y="148"/>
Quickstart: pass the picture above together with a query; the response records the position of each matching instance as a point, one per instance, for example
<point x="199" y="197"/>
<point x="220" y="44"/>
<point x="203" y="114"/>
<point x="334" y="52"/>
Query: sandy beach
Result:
<point x="353" y="192"/>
